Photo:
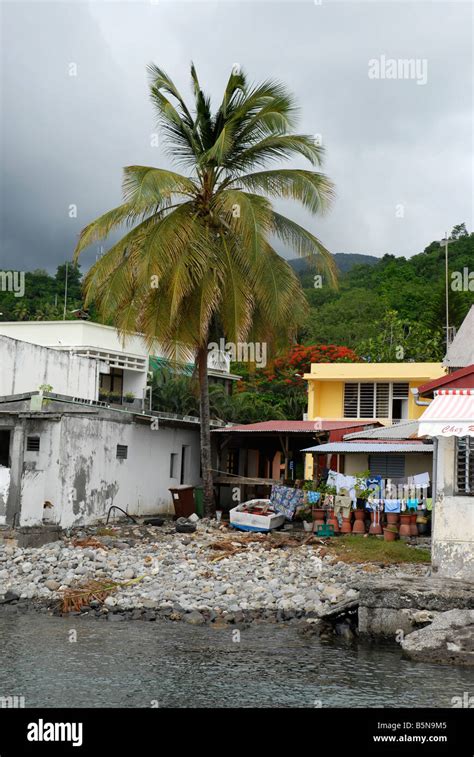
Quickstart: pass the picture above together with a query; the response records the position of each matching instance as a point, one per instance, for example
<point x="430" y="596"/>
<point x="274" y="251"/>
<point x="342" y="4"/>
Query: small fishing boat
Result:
<point x="256" y="515"/>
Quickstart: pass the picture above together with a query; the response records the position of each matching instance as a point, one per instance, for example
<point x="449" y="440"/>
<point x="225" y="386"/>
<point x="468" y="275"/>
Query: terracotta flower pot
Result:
<point x="346" y="527"/>
<point x="413" y="526"/>
<point x="392" y="518"/>
<point x="318" y="515"/>
<point x="389" y="535"/>
<point x="375" y="525"/>
<point x="405" y="525"/>
<point x="333" y="521"/>
<point x="359" y="522"/>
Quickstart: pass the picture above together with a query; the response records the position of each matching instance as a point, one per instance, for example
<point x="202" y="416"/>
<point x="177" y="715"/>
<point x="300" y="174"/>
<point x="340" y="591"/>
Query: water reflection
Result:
<point x="135" y="663"/>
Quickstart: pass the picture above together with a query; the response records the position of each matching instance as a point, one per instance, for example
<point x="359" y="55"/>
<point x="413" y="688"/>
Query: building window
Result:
<point x="112" y="382"/>
<point x="465" y="465"/>
<point x="32" y="444"/>
<point x="387" y="466"/>
<point x="5" y="449"/>
<point x="173" y="464"/>
<point x="232" y="463"/>
<point x="122" y="452"/>
<point x="376" y="400"/>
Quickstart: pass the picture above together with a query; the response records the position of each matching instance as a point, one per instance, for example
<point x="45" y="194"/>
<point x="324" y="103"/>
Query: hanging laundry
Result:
<point x="392" y="505"/>
<point x="342" y="505"/>
<point x="332" y="478"/>
<point x="313" y="497"/>
<point x="421" y="479"/>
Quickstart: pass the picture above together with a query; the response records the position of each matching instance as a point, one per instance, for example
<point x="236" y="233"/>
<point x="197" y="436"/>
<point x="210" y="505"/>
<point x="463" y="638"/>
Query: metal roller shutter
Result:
<point x="387" y="466"/>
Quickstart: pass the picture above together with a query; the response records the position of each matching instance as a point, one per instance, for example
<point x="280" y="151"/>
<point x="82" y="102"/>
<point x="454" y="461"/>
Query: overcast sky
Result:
<point x="399" y="151"/>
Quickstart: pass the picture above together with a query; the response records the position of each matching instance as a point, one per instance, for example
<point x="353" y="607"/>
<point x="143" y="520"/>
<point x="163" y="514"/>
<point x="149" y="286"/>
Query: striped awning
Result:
<point x="451" y="413"/>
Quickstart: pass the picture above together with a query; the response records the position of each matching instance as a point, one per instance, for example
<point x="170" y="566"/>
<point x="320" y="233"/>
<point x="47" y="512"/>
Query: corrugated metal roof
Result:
<point x="387" y="447"/>
<point x="289" y="427"/>
<point x="408" y="430"/>
<point x="446" y="381"/>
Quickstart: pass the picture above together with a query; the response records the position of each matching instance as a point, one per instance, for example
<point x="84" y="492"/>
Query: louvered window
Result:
<point x="400" y="390"/>
<point x="33" y="444"/>
<point x="351" y="400"/>
<point x="465" y="465"/>
<point x="122" y="451"/>
<point x="387" y="466"/>
<point x="366" y="400"/>
<point x="382" y="401"/>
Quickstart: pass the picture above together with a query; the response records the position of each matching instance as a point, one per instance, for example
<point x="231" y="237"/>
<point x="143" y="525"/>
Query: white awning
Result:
<point x="451" y="413"/>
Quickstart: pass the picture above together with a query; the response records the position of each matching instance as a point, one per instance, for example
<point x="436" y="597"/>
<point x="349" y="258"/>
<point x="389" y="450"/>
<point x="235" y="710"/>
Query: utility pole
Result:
<point x="444" y="243"/>
<point x="65" y="292"/>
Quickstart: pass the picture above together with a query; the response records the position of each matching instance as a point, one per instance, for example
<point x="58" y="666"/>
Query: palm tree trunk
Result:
<point x="206" y="460"/>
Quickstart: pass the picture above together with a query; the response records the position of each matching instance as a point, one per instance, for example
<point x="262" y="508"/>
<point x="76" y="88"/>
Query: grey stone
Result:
<point x="10" y="596"/>
<point x="52" y="585"/>
<point x="448" y="640"/>
<point x="116" y="617"/>
<point x="194" y="618"/>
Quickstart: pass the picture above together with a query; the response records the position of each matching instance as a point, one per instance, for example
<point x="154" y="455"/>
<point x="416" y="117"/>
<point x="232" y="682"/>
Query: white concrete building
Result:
<point x="82" y="459"/>
<point x="450" y="421"/>
<point x="122" y="365"/>
<point x="25" y="367"/>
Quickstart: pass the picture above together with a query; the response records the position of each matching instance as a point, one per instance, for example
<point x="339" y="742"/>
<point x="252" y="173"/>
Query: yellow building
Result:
<point x="372" y="391"/>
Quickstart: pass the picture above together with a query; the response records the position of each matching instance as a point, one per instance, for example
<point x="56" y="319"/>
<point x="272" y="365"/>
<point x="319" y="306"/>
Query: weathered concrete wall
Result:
<point x="77" y="469"/>
<point x="453" y="532"/>
<point x="25" y="367"/>
<point x="391" y="605"/>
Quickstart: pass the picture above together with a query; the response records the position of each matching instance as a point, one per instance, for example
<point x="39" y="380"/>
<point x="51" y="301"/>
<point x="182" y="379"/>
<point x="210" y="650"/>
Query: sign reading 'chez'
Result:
<point x="464" y="429"/>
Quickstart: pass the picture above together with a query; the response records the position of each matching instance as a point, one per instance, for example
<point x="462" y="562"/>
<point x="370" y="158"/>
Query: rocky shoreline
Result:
<point x="212" y="576"/>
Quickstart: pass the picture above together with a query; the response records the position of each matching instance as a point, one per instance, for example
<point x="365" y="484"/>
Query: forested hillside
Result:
<point x="381" y="304"/>
<point x="394" y="301"/>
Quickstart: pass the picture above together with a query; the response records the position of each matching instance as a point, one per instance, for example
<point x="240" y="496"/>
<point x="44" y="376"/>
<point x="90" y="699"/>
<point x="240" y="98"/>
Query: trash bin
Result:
<point x="183" y="500"/>
<point x="199" y="500"/>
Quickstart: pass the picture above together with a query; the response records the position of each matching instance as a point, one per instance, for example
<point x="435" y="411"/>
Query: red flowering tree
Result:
<point x="287" y="371"/>
<point x="281" y="385"/>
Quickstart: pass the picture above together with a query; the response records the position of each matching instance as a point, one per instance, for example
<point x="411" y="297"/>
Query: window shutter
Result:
<point x="465" y="465"/>
<point x="387" y="466"/>
<point x="382" y="401"/>
<point x="350" y="400"/>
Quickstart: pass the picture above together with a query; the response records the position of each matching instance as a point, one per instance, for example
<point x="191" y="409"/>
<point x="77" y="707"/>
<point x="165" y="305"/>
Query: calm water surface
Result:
<point x="130" y="664"/>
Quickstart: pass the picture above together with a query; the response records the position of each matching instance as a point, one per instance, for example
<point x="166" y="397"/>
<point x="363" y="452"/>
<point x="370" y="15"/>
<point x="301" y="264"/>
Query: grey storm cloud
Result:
<point x="399" y="150"/>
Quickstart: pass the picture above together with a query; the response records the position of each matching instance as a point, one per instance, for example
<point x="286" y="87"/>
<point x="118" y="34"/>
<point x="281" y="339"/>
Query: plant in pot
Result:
<point x="390" y="533"/>
<point x="362" y="494"/>
<point x="316" y="496"/>
<point x="115" y="397"/>
<point x="104" y="395"/>
<point x="306" y="516"/>
<point x="329" y="497"/>
<point x="129" y="397"/>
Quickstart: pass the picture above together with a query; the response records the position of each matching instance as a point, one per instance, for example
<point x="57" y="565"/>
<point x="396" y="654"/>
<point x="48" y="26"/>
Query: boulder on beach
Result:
<point x="448" y="640"/>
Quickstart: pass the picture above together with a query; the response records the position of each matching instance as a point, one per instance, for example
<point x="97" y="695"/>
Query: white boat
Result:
<point x="256" y="515"/>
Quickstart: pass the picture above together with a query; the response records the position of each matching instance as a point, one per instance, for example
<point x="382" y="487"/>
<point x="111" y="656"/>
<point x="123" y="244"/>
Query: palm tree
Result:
<point x="199" y="258"/>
